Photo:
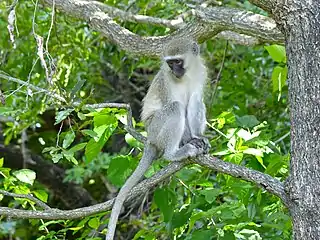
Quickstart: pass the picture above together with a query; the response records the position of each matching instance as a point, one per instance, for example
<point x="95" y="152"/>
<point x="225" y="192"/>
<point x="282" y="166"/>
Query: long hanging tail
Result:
<point x="148" y="156"/>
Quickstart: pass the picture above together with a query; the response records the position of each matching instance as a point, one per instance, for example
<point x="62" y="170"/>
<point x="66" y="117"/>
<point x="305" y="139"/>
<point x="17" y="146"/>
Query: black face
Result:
<point x="176" y="66"/>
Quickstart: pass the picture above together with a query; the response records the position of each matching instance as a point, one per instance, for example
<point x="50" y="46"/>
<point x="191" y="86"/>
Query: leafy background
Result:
<point x="248" y="124"/>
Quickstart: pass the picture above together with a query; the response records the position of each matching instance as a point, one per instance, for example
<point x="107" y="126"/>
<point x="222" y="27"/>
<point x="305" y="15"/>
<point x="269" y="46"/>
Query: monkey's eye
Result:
<point x="178" y="61"/>
<point x="175" y="63"/>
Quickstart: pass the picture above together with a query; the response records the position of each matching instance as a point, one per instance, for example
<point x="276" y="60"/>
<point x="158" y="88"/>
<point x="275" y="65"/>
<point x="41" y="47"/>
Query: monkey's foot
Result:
<point x="202" y="144"/>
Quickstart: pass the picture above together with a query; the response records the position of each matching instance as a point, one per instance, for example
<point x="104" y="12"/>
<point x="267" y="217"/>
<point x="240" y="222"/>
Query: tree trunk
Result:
<point x="300" y="22"/>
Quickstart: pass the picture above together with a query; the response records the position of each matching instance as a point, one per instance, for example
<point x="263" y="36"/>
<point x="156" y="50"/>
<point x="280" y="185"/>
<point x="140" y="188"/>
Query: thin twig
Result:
<point x="282" y="138"/>
<point x="26" y="196"/>
<point x="215" y="82"/>
<point x="3" y="75"/>
<point x="51" y="25"/>
<point x="222" y="64"/>
<point x="26" y="156"/>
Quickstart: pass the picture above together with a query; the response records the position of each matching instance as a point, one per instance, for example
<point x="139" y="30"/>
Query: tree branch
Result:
<point x="263" y="180"/>
<point x="242" y="22"/>
<point x="26" y="196"/>
<point x="209" y="23"/>
<point x="267" y="182"/>
<point x="267" y="5"/>
<point x="129" y="127"/>
<point x="6" y="76"/>
<point x="114" y="12"/>
<point x="137" y="191"/>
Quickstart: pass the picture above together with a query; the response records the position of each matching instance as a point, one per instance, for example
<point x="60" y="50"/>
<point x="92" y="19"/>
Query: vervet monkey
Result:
<point x="173" y="112"/>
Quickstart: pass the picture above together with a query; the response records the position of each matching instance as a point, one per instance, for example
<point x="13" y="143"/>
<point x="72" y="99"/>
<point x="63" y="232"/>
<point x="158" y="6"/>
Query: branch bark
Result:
<point x="137" y="191"/>
<point x="26" y="196"/>
<point x="300" y="22"/>
<point x="209" y="23"/>
<point x="53" y="179"/>
<point x="267" y="5"/>
<point x="263" y="180"/>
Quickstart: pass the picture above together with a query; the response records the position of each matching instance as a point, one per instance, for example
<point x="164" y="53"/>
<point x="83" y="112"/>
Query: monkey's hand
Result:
<point x="201" y="143"/>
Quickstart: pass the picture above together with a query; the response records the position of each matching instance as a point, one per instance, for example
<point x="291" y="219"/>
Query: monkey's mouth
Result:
<point x="178" y="73"/>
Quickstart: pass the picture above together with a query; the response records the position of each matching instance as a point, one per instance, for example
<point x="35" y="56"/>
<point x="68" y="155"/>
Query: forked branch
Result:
<point x="246" y="27"/>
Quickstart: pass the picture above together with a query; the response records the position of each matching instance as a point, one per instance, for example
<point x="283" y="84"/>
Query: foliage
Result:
<point x="247" y="119"/>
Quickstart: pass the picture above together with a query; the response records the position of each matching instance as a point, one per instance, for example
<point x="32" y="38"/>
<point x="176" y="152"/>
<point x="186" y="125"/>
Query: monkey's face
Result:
<point x="176" y="66"/>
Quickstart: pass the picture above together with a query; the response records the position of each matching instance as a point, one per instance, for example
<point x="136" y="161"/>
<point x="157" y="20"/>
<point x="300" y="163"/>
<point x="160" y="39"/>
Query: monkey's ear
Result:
<point x="195" y="48"/>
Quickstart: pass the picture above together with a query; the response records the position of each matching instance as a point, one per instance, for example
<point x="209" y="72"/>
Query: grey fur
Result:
<point x="174" y="115"/>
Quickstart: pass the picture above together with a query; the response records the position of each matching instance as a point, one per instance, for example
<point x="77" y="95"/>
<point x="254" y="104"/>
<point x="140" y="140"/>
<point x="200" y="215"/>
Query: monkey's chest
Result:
<point x="182" y="93"/>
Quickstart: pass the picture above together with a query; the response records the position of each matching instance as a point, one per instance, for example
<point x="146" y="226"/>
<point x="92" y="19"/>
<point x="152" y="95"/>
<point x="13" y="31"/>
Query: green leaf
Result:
<point x="247" y="121"/>
<point x="93" y="148"/>
<point x="249" y="234"/>
<point x="71" y="158"/>
<point x="222" y="152"/>
<point x="202" y="235"/>
<point x="246" y="135"/>
<point x="132" y="141"/>
<point x="251" y="210"/>
<point x="120" y="168"/>
<point x="94" y="223"/>
<point x="279" y="77"/>
<point x="277" y="53"/>
<point x="275" y="165"/>
<point x="103" y="119"/>
<point x="25" y="175"/>
<point x="4" y="110"/>
<point x="99" y="131"/>
<point x="60" y="116"/>
<point x="165" y="201"/>
<point x="41" y="194"/>
<point x="180" y="218"/>
<point x="56" y="157"/>
<point x="195" y="217"/>
<point x="1" y="162"/>
<point x="68" y="139"/>
<point x="81" y="116"/>
<point x="260" y="160"/>
<point x="89" y="133"/>
<point x="50" y="149"/>
<point x="210" y="194"/>
<point x="235" y="157"/>
<point x="78" y="86"/>
<point x="77" y="147"/>
<point x="254" y="152"/>
<point x="76" y="228"/>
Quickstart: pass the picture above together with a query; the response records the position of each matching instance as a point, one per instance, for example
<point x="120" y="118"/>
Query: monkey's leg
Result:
<point x="166" y="130"/>
<point x="196" y="115"/>
<point x="196" y="121"/>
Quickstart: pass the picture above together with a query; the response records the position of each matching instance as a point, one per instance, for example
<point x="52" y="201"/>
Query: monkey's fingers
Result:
<point x="202" y="144"/>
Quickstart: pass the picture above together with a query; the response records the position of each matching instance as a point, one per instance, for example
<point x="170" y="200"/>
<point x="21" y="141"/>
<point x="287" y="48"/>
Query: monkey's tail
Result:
<point x="148" y="156"/>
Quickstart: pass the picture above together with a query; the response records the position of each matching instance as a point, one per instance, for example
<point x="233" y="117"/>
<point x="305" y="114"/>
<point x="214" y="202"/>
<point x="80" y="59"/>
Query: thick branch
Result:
<point x="263" y="180"/>
<point x="242" y="22"/>
<point x="269" y="183"/>
<point x="210" y="22"/>
<point x="137" y="191"/>
<point x="128" y="16"/>
<point x="267" y="5"/>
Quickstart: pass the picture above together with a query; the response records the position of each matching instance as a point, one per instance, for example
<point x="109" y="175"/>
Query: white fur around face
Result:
<point x="179" y="90"/>
<point x="191" y="82"/>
